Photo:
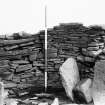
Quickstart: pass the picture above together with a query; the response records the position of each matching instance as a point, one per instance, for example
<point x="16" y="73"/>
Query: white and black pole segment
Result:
<point x="45" y="48"/>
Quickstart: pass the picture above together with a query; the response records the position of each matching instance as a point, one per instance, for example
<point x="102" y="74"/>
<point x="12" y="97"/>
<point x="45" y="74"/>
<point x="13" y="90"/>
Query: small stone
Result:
<point x="80" y="58"/>
<point x="84" y="86"/>
<point x="89" y="59"/>
<point x="11" y="47"/>
<point x="27" y="44"/>
<point x="36" y="63"/>
<point x="43" y="103"/>
<point x="55" y="102"/>
<point x="93" y="48"/>
<point x="20" y="62"/>
<point x="6" y="93"/>
<point x="24" y="68"/>
<point x="10" y="85"/>
<point x="93" y="44"/>
<point x="33" y="57"/>
<point x="102" y="57"/>
<point x="95" y="53"/>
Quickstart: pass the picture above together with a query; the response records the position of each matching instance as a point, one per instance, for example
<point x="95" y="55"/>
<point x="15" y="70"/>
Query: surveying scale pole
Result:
<point x="45" y="48"/>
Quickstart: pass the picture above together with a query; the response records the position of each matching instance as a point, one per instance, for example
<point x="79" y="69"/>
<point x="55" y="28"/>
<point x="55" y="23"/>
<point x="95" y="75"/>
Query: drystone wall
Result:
<point x="85" y="44"/>
<point x="20" y="62"/>
<point x="22" y="58"/>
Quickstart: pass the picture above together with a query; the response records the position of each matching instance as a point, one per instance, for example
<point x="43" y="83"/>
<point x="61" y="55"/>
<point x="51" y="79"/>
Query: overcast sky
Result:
<point x="28" y="15"/>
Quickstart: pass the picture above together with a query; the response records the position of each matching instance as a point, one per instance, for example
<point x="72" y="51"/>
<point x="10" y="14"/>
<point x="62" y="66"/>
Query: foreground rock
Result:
<point x="43" y="103"/>
<point x="98" y="89"/>
<point x="1" y="93"/>
<point x="84" y="88"/>
<point x="11" y="102"/>
<point x="55" y="102"/>
<point x="70" y="76"/>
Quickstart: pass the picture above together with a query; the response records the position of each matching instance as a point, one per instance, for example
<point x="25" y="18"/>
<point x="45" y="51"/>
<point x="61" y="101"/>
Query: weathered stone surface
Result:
<point x="33" y="57"/>
<point x="98" y="89"/>
<point x="5" y="93"/>
<point x="80" y="58"/>
<point x="14" y="66"/>
<point x="52" y="55"/>
<point x="35" y="63"/>
<point x="27" y="75"/>
<point x="102" y="57"/>
<point x="1" y="93"/>
<point x="23" y="68"/>
<point x="93" y="48"/>
<point x="4" y="62"/>
<point x="20" y="62"/>
<point x="27" y="44"/>
<point x="89" y="59"/>
<point x="11" y="47"/>
<point x="13" y="42"/>
<point x="70" y="75"/>
<point x="93" y="44"/>
<point x="95" y="53"/>
<point x="10" y="101"/>
<point x="55" y="102"/>
<point x="10" y="85"/>
<point x="43" y="103"/>
<point x="85" y="86"/>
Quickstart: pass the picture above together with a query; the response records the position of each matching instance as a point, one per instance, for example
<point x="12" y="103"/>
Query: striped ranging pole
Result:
<point x="45" y="48"/>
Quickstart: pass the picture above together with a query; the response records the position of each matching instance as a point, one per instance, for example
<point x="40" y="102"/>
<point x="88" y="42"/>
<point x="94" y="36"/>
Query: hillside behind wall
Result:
<point x="22" y="57"/>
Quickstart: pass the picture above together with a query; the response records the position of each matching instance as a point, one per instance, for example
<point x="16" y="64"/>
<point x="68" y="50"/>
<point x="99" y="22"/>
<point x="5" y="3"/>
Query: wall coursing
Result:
<point x="22" y="57"/>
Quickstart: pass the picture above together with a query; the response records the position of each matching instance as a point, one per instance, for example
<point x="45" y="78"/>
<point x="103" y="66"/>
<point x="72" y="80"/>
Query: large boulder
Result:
<point x="69" y="75"/>
<point x="83" y="89"/>
<point x="98" y="89"/>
